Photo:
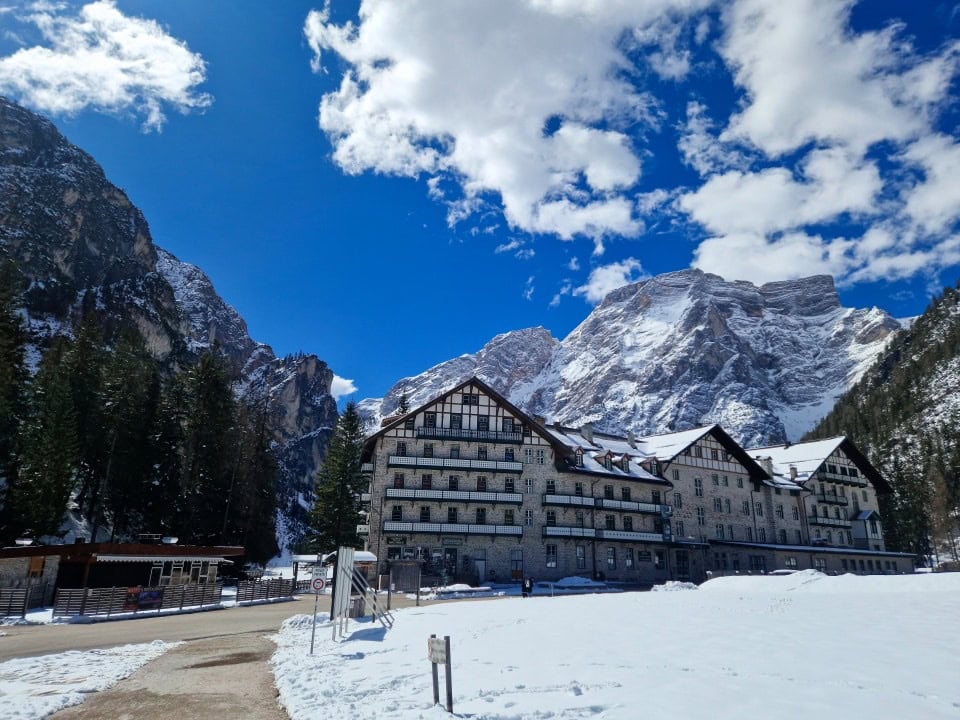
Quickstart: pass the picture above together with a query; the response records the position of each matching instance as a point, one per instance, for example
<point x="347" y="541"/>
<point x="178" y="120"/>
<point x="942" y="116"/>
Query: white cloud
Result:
<point x="574" y="264"/>
<point x="528" y="288"/>
<point x="934" y="203"/>
<point x="755" y="258"/>
<point x="565" y="289"/>
<point x="468" y="90"/>
<point x="104" y="60"/>
<point x="699" y="145"/>
<point x="341" y="387"/>
<point x="808" y="77"/>
<point x="606" y="278"/>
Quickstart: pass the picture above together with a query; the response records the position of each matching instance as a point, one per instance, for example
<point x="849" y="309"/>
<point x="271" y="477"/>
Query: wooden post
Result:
<point x="446" y="642"/>
<point x="436" y="679"/>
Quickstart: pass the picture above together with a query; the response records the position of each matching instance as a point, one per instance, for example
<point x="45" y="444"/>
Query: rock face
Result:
<point x="81" y="245"/>
<point x="680" y="350"/>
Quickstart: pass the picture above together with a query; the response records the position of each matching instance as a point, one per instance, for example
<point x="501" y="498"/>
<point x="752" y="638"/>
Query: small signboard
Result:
<point x="318" y="584"/>
<point x="437" y="650"/>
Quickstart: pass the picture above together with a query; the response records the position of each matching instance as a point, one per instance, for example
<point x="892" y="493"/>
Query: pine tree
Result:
<point x="335" y="514"/>
<point x="49" y="449"/>
<point x="404" y="405"/>
<point x="13" y="381"/>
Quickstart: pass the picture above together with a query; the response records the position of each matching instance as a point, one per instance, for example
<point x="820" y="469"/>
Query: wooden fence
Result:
<point x="16" y="601"/>
<point x="114" y="600"/>
<point x="253" y="590"/>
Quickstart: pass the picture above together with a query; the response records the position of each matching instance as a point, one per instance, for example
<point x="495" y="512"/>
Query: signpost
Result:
<point x="317" y="584"/>
<point x="438" y="651"/>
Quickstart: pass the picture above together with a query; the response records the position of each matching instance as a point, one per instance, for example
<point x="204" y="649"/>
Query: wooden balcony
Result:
<point x="832" y="499"/>
<point x="454" y="495"/>
<point x="605" y="503"/>
<point x="435" y="463"/>
<point x="564" y="531"/>
<point x="491" y="436"/>
<point x="823" y="474"/>
<point x="829" y="522"/>
<point x="394" y="526"/>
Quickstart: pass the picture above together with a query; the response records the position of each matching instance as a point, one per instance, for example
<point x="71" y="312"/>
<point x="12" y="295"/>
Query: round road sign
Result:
<point x="318" y="584"/>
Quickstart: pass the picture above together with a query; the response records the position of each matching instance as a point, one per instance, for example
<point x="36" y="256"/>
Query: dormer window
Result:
<point x="608" y="462"/>
<point x="579" y="457"/>
<point x="654" y="467"/>
<point x="625" y="463"/>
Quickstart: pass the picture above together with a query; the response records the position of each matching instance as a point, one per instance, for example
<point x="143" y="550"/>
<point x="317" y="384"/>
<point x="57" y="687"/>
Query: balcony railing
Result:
<point x="495" y="436"/>
<point x="435" y="463"/>
<point x="600" y="534"/>
<point x="455" y="495"/>
<point x="564" y="531"/>
<point x="823" y="474"/>
<point x="366" y="468"/>
<point x="451" y="528"/>
<point x="605" y="503"/>
<point x="830" y="522"/>
<point x="832" y="499"/>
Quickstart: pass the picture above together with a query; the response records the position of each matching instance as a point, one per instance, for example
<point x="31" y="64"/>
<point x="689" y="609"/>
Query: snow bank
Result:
<point x="673" y="585"/>
<point x="786" y="647"/>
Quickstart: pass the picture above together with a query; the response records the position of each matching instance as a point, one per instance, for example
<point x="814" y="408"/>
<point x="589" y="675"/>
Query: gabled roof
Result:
<point x="603" y="445"/>
<point x="528" y="421"/>
<point x="669" y="446"/>
<point x="809" y="457"/>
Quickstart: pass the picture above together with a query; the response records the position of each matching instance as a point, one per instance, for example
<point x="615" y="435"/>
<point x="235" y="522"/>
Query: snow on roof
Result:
<point x="669" y="445"/>
<point x="597" y="449"/>
<point x="805" y="457"/>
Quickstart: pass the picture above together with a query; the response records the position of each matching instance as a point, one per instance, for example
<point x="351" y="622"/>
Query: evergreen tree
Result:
<point x="335" y="514"/>
<point x="404" y="405"/>
<point x="13" y="380"/>
<point x="49" y="449"/>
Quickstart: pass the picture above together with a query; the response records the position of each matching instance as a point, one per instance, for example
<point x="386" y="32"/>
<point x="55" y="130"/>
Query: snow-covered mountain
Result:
<point x="676" y="351"/>
<point x="81" y="245"/>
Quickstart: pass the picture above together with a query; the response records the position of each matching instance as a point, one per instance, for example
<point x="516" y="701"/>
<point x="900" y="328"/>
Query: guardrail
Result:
<point x="456" y="495"/>
<point x="451" y="528"/>
<point x="470" y="435"/>
<point x="458" y="463"/>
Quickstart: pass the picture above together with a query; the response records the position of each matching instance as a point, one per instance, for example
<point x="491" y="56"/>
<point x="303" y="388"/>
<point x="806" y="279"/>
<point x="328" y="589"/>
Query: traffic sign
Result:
<point x="318" y="584"/>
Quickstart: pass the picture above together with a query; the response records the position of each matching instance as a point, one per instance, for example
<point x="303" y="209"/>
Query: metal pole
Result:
<point x="436" y="679"/>
<point x="446" y="642"/>
<point x="313" y="632"/>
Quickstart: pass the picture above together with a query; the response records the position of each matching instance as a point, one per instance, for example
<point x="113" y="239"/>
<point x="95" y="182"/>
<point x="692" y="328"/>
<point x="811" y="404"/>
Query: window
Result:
<point x="578" y="489"/>
<point x="481" y="516"/>
<point x="528" y="517"/>
<point x="854" y="473"/>
<point x="481" y="452"/>
<point x="581" y="557"/>
<point x="398" y="480"/>
<point x="677" y="500"/>
<point x="746" y="507"/>
<point x="528" y="484"/>
<point x="456" y="421"/>
<point x="726" y="506"/>
<point x="610" y="522"/>
<point x="678" y="528"/>
<point x="697" y="452"/>
<point x="874" y="530"/>
<point x="796" y="513"/>
<point x="628" y="524"/>
<point x="516" y="563"/>
<point x="611" y="558"/>
<point x="579" y="457"/>
<point x="426" y="482"/>
<point x="698" y="487"/>
<point x="507" y="425"/>
<point x="425" y="513"/>
<point x="836" y="513"/>
<point x="791" y="562"/>
<point x="780" y="510"/>
<point x="843" y="470"/>
<point x="830" y="537"/>
<point x="578" y="517"/>
<point x="715" y="479"/>
<point x="820" y="564"/>
<point x="730" y="531"/>
<point x="608" y="462"/>
<point x="483" y="423"/>
<point x="508" y="517"/>
<point x="782" y="537"/>
<point x="658" y="525"/>
<point x="452" y="515"/>
<point x="625" y="494"/>
<point x="508" y="455"/>
<point x="628" y="558"/>
<point x="739" y="482"/>
<point x="749" y="534"/>
<point x="402" y="449"/>
<point x="551" y="517"/>
<point x="761" y="534"/>
<point x="455" y="451"/>
<point x="396" y="513"/>
<point x="717" y="505"/>
<point x="509" y="485"/>
<point x="551" y="487"/>
<point x="714" y="454"/>
<point x="864" y="495"/>
<point x="608" y="492"/>
<point x="481" y="483"/>
<point x="551" y="556"/>
<point x="849" y="538"/>
<point x="843" y="563"/>
<point x="408" y="424"/>
<point x="701" y="516"/>
<point x="658" y="559"/>
<point x="719" y="531"/>
<point x="453" y="483"/>
<point x="471" y="399"/>
<point x="655" y="497"/>
<point x="831" y="469"/>
<point x="676" y="474"/>
<point x="430" y="419"/>
<point x="428" y="450"/>
<point x="540" y="456"/>
<point x="726" y="481"/>
<point x="799" y="537"/>
<point x="528" y="455"/>
<point x="759" y="509"/>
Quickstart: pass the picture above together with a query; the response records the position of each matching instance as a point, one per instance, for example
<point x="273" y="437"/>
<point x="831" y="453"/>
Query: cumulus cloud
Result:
<point x="341" y="387"/>
<point x="523" y="103"/>
<point x="101" y="59"/>
<point x="606" y="278"/>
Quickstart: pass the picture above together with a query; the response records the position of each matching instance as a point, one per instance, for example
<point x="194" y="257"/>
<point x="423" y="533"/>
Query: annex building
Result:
<point x="478" y="491"/>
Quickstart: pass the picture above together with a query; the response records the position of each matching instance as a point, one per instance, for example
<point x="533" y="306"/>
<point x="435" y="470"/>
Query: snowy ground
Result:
<point x="33" y="688"/>
<point x="799" y="646"/>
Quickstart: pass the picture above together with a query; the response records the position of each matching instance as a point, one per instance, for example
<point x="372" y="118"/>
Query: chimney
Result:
<point x="766" y="463"/>
<point x="587" y="431"/>
<point x="631" y="439"/>
<point x="540" y="420"/>
<point x="793" y="473"/>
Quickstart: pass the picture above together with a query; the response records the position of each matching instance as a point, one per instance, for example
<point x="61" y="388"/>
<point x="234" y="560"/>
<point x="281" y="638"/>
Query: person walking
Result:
<point x="526" y="587"/>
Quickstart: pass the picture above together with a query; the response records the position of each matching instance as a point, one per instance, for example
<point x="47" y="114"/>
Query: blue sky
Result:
<point x="392" y="185"/>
